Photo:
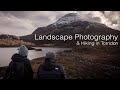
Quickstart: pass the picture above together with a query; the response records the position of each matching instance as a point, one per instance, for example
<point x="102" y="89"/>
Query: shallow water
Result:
<point x="6" y="53"/>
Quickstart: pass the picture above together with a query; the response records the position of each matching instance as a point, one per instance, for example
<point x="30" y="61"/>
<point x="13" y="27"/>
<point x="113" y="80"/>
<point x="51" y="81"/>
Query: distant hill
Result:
<point x="12" y="40"/>
<point x="70" y="24"/>
<point x="7" y="36"/>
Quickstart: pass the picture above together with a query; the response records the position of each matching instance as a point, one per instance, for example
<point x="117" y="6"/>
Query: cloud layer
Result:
<point x="25" y="22"/>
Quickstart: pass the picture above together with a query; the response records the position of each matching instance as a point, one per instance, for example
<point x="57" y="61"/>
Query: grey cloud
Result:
<point x="97" y="19"/>
<point x="14" y="25"/>
<point x="114" y="18"/>
<point x="114" y="22"/>
<point x="102" y="12"/>
<point x="25" y="22"/>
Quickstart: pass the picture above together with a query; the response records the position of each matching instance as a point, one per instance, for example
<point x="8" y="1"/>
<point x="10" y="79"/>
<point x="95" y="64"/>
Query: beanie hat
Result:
<point x="23" y="50"/>
<point x="50" y="55"/>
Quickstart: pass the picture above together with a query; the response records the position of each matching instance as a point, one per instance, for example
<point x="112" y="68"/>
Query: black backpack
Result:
<point x="16" y="70"/>
<point x="55" y="73"/>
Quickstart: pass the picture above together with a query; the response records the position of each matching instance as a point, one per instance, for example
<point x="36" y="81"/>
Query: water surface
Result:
<point x="6" y="53"/>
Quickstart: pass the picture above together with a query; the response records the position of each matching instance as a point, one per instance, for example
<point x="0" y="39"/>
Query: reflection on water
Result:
<point x="6" y="53"/>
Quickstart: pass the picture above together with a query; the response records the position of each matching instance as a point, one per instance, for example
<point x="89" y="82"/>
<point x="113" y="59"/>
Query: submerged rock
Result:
<point x="38" y="49"/>
<point x="30" y="48"/>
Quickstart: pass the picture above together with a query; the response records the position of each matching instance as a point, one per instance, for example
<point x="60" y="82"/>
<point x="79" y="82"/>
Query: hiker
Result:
<point x="49" y="69"/>
<point x="20" y="67"/>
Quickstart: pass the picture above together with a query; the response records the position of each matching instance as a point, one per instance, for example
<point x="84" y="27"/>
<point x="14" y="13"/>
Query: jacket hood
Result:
<point x="19" y="58"/>
<point x="48" y="64"/>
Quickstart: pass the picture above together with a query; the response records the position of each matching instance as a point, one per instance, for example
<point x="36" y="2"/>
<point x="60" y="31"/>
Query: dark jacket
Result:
<point x="50" y="70"/>
<point x="19" y="68"/>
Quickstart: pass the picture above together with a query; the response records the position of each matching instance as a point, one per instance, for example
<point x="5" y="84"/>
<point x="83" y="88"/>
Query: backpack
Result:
<point x="49" y="74"/>
<point x="16" y="70"/>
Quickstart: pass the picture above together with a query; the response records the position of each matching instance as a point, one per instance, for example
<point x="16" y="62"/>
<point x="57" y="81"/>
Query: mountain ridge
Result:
<point x="70" y="24"/>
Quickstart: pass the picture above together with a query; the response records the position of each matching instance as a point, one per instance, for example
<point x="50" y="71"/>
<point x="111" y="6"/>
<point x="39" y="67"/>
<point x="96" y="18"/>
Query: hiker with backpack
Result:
<point x="50" y="69"/>
<point x="20" y="67"/>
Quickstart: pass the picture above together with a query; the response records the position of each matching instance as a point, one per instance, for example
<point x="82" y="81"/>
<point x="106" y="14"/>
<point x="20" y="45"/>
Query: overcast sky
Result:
<point x="25" y="22"/>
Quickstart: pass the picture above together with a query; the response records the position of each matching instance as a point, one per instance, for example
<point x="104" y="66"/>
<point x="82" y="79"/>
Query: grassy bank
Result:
<point x="13" y="43"/>
<point x="86" y="62"/>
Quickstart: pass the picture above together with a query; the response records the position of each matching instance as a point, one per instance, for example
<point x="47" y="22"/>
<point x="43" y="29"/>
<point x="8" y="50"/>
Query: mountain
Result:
<point x="70" y="24"/>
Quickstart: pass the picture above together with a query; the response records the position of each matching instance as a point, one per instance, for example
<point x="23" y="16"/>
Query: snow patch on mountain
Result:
<point x="69" y="18"/>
